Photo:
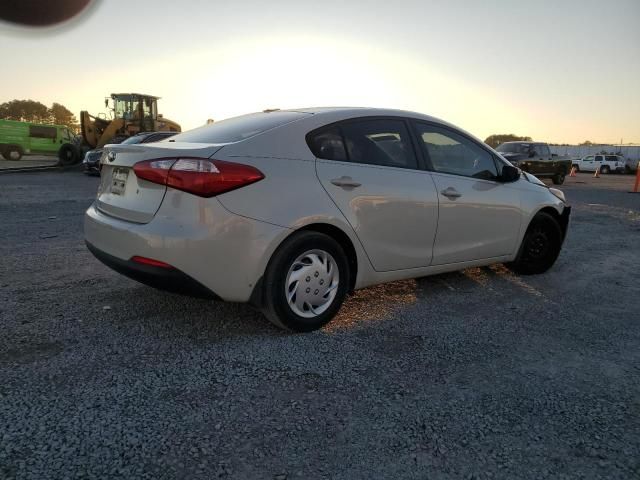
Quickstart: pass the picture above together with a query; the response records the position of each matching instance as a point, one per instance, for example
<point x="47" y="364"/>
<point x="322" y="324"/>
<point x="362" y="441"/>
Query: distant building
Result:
<point x="578" y="151"/>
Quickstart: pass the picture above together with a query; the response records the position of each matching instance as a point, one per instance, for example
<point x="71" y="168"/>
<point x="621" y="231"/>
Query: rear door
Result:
<point x="122" y="195"/>
<point x="479" y="216"/>
<point x="370" y="169"/>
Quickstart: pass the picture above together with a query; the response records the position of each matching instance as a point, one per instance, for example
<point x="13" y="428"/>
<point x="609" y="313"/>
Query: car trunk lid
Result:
<point x="122" y="194"/>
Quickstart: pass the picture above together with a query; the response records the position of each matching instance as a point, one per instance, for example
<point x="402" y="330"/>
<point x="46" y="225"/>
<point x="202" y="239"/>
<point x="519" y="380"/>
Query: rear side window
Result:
<point x="237" y="128"/>
<point x="612" y="158"/>
<point x="39" y="131"/>
<point x="328" y="144"/>
<point x="384" y="142"/>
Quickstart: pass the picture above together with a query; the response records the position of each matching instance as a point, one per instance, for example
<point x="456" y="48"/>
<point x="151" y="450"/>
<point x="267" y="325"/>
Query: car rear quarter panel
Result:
<point x="290" y="196"/>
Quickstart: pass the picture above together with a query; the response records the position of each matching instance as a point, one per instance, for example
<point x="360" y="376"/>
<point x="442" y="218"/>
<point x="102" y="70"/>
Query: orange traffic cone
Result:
<point x="597" y="173"/>
<point x="573" y="171"/>
<point x="637" y="184"/>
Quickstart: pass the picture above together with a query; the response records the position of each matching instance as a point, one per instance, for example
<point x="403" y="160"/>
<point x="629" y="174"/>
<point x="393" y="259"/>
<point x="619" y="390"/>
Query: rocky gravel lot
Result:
<point x="476" y="374"/>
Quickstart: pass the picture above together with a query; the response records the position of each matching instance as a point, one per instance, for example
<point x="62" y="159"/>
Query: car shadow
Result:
<point x="199" y="320"/>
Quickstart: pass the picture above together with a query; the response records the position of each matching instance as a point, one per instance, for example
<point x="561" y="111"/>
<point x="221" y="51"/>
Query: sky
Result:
<point x="560" y="71"/>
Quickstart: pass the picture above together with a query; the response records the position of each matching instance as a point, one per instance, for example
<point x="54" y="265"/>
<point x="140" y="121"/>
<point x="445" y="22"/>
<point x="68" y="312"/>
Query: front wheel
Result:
<point x="306" y="282"/>
<point x="540" y="247"/>
<point x="68" y="154"/>
<point x="558" y="179"/>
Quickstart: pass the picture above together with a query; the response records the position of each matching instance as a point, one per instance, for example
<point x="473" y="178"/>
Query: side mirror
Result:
<point x="509" y="174"/>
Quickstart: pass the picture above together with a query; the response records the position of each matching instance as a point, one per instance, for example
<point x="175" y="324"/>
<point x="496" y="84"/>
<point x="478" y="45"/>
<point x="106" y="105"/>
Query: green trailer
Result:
<point x="24" y="138"/>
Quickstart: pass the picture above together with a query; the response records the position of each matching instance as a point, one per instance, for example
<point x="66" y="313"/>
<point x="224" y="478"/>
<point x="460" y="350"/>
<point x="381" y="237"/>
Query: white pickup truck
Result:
<point x="606" y="163"/>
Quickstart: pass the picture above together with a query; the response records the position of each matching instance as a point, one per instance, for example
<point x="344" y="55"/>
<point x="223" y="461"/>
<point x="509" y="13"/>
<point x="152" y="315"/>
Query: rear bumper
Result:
<point x="169" y="279"/>
<point x="218" y="250"/>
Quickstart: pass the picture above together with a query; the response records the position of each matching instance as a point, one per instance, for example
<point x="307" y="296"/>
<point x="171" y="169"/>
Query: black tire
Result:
<point x="558" y="179"/>
<point x="540" y="246"/>
<point x="605" y="170"/>
<point x="68" y="155"/>
<point x="577" y="167"/>
<point x="275" y="304"/>
<point x="12" y="153"/>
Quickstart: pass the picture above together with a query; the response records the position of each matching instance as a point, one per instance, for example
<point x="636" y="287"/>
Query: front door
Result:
<point x="588" y="163"/>
<point x="479" y="216"/>
<point x="370" y="170"/>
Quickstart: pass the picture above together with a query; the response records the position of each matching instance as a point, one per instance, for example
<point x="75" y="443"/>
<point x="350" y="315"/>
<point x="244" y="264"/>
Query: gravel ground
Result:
<point x="477" y="374"/>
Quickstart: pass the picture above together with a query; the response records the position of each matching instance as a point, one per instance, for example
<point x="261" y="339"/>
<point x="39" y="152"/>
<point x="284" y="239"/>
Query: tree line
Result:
<point x="36" y="112"/>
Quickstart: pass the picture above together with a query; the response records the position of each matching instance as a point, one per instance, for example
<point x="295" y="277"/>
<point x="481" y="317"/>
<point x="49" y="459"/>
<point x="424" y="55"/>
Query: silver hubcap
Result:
<point x="13" y="155"/>
<point x="312" y="283"/>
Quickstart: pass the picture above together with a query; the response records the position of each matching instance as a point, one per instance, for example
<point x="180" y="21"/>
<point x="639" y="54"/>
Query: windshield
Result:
<point x="237" y="128"/>
<point x="513" y="148"/>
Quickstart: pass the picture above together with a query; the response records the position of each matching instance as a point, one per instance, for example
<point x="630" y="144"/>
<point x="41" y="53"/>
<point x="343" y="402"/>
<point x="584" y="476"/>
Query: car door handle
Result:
<point x="346" y="182"/>
<point x="451" y="193"/>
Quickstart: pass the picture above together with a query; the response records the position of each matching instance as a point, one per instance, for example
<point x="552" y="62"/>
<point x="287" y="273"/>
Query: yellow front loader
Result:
<point x="132" y="113"/>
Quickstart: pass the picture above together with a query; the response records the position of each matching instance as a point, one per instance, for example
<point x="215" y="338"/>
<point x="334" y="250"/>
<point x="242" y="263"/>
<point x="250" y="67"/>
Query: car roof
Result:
<point x="329" y="115"/>
<point x="363" y="112"/>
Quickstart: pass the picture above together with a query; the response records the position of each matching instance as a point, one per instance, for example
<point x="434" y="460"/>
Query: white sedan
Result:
<point x="293" y="210"/>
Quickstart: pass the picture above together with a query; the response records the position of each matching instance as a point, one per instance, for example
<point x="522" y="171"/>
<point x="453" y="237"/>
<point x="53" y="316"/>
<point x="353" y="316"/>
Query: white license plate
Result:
<point x="119" y="180"/>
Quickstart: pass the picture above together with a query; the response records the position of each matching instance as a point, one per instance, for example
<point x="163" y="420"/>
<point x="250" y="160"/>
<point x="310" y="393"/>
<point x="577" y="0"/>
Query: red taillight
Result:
<point x="200" y="176"/>
<point x="155" y="171"/>
<point x="150" y="261"/>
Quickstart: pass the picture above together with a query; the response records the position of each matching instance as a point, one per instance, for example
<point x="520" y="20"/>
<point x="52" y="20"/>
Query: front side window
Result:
<point x="589" y="158"/>
<point x="383" y="142"/>
<point x="452" y="153"/>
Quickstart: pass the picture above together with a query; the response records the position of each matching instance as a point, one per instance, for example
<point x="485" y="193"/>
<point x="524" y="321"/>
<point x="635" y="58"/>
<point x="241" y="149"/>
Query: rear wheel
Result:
<point x="577" y="167"/>
<point x="12" y="153"/>
<point x="558" y="179"/>
<point x="306" y="282"/>
<point x="540" y="247"/>
<point x="605" y="169"/>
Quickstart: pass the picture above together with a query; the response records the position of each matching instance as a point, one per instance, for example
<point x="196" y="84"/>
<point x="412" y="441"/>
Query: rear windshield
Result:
<point x="132" y="140"/>
<point x="237" y="128"/>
